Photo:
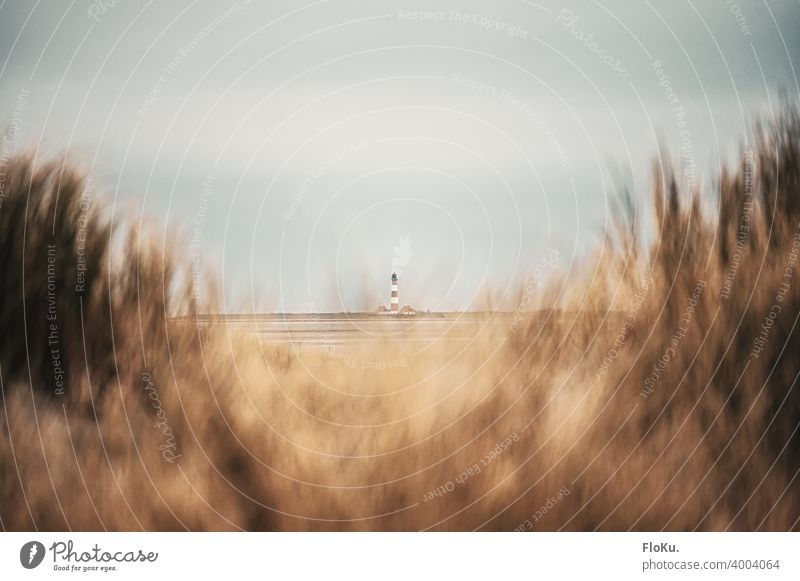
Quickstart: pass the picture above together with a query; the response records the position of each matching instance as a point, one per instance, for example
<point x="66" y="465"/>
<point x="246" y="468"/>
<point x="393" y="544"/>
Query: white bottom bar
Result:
<point x="406" y="556"/>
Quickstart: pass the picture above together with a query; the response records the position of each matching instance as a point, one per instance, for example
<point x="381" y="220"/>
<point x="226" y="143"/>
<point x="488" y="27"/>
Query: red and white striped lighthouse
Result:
<point x="395" y="295"/>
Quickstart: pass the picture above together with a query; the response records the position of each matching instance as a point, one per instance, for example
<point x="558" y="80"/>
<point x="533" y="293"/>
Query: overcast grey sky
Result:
<point x="305" y="149"/>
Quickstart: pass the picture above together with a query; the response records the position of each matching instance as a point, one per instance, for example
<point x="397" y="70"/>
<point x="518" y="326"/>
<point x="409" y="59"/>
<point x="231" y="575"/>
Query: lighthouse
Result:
<point x="395" y="295"/>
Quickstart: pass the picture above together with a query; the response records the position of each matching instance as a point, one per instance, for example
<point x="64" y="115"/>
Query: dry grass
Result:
<point x="266" y="438"/>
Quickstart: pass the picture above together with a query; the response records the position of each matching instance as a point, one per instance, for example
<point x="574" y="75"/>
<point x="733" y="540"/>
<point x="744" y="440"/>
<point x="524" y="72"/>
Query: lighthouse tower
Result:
<point x="395" y="295"/>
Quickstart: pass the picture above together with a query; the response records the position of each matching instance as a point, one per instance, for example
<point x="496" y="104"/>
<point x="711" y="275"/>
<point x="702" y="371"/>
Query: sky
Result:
<point x="302" y="151"/>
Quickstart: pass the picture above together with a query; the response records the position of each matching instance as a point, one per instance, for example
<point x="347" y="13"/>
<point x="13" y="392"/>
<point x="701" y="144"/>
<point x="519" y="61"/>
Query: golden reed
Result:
<point x="661" y="394"/>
